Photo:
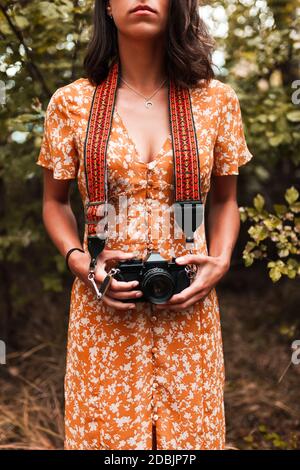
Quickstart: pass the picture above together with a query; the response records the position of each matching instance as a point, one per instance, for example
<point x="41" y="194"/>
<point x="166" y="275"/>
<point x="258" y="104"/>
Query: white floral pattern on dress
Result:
<point x="126" y="369"/>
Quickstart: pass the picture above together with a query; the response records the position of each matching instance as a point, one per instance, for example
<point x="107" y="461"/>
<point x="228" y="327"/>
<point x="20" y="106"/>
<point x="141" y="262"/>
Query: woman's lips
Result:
<point x="143" y="12"/>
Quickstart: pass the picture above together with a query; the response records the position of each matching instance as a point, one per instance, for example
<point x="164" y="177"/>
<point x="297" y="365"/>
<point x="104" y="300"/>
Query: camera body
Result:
<point x="158" y="278"/>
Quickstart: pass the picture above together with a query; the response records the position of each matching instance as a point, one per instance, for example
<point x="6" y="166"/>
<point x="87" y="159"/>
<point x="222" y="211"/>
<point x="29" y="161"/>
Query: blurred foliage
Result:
<point x="281" y="228"/>
<point x="42" y="45"/>
<point x="272" y="438"/>
<point x="262" y="48"/>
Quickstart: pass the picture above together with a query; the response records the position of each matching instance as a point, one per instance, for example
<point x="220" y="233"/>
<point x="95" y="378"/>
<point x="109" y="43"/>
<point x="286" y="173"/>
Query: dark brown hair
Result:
<point x="189" y="45"/>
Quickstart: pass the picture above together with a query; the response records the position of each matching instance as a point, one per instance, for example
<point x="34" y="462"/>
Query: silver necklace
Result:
<point x="148" y="102"/>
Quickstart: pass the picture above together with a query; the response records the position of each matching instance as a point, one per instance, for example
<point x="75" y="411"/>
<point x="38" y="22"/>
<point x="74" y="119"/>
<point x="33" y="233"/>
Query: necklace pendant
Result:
<point x="148" y="104"/>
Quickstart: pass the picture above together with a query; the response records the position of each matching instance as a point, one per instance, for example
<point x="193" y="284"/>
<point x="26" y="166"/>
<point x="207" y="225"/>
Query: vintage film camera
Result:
<point x="158" y="278"/>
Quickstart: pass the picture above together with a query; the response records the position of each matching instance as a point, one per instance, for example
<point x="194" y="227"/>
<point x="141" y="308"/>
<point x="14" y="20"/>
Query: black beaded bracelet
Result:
<point x="68" y="254"/>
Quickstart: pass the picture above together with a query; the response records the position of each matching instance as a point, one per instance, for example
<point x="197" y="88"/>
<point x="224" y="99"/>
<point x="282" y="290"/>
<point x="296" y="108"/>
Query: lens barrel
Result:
<point x="157" y="285"/>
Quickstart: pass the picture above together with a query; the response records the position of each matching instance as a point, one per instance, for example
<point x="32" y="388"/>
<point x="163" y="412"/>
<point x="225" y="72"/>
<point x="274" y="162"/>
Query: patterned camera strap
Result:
<point x="185" y="151"/>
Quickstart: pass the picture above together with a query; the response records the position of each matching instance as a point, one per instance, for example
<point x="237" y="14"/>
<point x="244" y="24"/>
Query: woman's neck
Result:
<point x="143" y="63"/>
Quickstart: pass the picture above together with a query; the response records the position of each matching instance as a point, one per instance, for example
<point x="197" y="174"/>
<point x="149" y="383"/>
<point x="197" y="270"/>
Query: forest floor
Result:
<point x="259" y="323"/>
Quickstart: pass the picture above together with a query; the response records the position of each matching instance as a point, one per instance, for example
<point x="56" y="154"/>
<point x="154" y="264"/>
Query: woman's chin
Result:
<point x="142" y="30"/>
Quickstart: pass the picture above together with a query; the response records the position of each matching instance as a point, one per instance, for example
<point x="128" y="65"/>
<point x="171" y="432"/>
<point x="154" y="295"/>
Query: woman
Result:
<point x="141" y="375"/>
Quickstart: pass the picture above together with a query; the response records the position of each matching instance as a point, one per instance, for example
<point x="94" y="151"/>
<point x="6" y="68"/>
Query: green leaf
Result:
<point x="276" y="140"/>
<point x="280" y="209"/>
<point x="258" y="232"/>
<point x="272" y="223"/>
<point x="259" y="202"/>
<point x="250" y="246"/>
<point x="293" y="116"/>
<point x="262" y="118"/>
<point x="297" y="222"/>
<point x="295" y="207"/>
<point x="292" y="273"/>
<point x="293" y="263"/>
<point x="283" y="253"/>
<point x="248" y="259"/>
<point x="21" y="21"/>
<point x="262" y="428"/>
<point x="275" y="274"/>
<point x="291" y="195"/>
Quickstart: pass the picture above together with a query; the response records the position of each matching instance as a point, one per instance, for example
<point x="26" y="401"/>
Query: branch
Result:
<point x="31" y="66"/>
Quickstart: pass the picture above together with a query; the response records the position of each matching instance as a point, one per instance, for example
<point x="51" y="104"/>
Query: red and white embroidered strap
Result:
<point x="186" y="159"/>
<point x="185" y="151"/>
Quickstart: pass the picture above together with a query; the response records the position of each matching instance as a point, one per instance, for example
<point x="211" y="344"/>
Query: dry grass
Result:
<point x="31" y="415"/>
<point x="262" y="387"/>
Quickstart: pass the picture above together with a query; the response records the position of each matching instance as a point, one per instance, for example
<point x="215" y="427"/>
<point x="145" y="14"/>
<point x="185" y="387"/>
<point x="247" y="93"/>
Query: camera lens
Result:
<point x="157" y="285"/>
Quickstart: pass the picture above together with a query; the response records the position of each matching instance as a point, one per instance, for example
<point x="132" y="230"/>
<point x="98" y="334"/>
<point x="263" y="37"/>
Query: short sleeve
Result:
<point x="58" y="150"/>
<point x="230" y="150"/>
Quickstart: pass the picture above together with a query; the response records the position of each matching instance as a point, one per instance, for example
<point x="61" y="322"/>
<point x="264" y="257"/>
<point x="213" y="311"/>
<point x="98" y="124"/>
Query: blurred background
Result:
<point x="42" y="46"/>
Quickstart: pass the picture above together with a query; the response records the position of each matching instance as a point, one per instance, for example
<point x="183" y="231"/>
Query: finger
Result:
<point x="114" y="284"/>
<point x="190" y="259"/>
<point x="183" y="295"/>
<point x="123" y="285"/>
<point x="115" y="255"/>
<point x="184" y="305"/>
<point x="118" y="305"/>
<point x="100" y="275"/>
<point x="125" y="295"/>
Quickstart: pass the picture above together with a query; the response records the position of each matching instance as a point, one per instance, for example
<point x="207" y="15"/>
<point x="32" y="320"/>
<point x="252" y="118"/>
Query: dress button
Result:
<point x="154" y="385"/>
<point x="155" y="417"/>
<point x="154" y="350"/>
<point x="154" y="318"/>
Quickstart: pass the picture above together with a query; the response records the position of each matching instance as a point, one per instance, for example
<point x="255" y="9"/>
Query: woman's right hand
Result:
<point x="79" y="264"/>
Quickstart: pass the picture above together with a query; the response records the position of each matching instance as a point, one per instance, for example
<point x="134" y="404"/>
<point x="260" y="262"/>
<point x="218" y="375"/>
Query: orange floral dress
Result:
<point x="127" y="371"/>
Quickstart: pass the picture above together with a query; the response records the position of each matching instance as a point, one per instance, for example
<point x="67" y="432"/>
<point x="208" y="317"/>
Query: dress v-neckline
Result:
<point x="139" y="159"/>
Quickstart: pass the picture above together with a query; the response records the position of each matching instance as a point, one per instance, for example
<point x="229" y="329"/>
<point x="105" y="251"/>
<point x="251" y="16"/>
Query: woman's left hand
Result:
<point x="210" y="269"/>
